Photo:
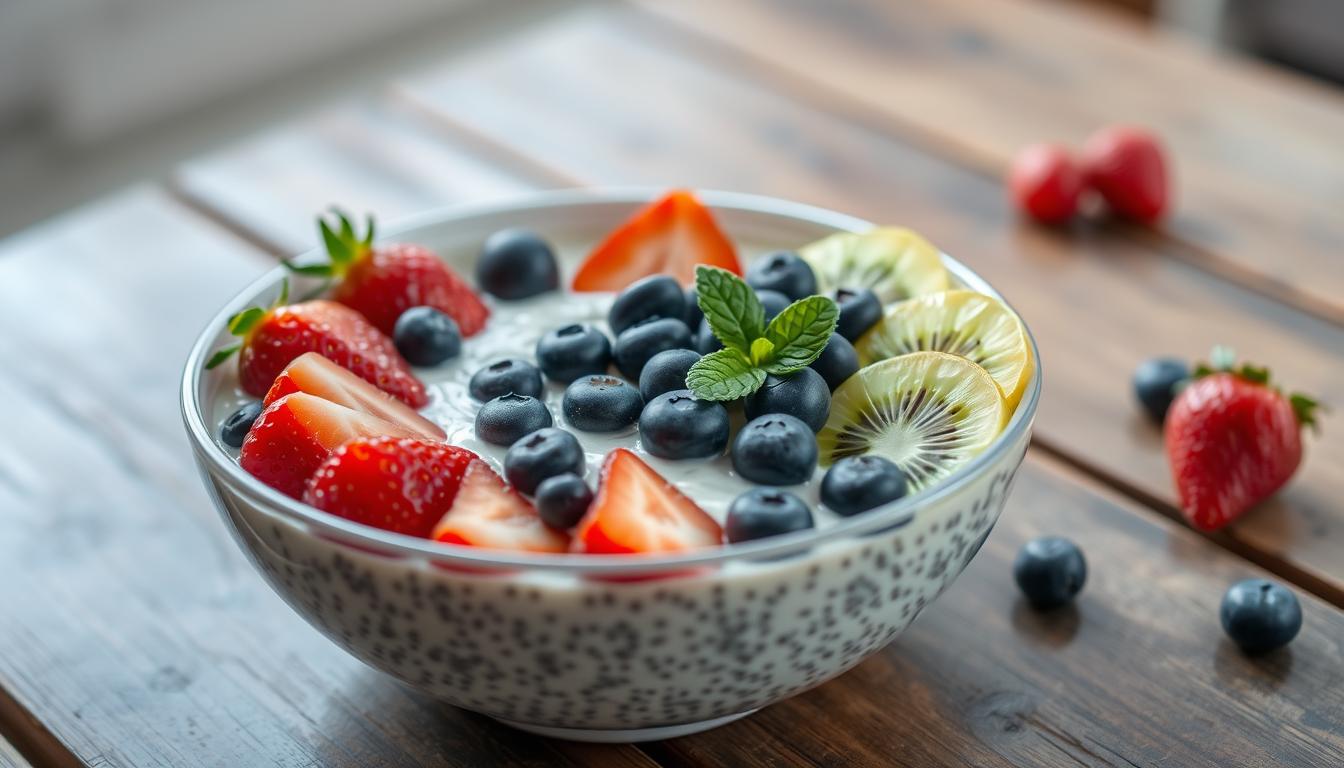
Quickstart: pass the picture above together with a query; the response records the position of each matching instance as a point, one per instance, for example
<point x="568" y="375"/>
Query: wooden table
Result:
<point x="134" y="633"/>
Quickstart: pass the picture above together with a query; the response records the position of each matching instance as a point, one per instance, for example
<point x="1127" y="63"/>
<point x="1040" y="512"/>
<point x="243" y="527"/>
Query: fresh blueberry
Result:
<point x="562" y="500"/>
<point x="1155" y="384"/>
<point x="236" y="427"/>
<point x="542" y="454"/>
<point x="762" y="512"/>
<point x="837" y="361"/>
<point x="705" y="340"/>
<point x="776" y="449"/>
<point x="504" y="376"/>
<point x="803" y="394"/>
<point x="773" y="302"/>
<point x="1260" y="615"/>
<point x="782" y="271"/>
<point x="693" y="313"/>
<point x="425" y="336"/>
<point x="653" y="296"/>
<point x="860" y="483"/>
<point x="678" y="425"/>
<point x="637" y="344"/>
<point x="859" y="311"/>
<point x="665" y="372"/>
<point x="1050" y="571"/>
<point x="571" y="351"/>
<point x="517" y="264"/>
<point x="601" y="404"/>
<point x="506" y="418"/>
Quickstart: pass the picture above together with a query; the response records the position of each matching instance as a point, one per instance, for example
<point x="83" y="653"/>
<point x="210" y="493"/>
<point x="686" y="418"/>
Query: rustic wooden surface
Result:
<point x="136" y="634"/>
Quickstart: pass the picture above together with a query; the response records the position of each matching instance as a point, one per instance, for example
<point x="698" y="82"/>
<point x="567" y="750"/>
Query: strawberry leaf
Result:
<point x="1305" y="408"/>
<point x="244" y="321"/>
<point x="724" y="375"/>
<point x="221" y="356"/>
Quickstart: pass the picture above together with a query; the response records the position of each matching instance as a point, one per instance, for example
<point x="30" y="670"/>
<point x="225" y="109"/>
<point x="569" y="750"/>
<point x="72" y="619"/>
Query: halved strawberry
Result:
<point x="669" y="236"/>
<point x="487" y="513"/>
<point x="316" y="375"/>
<point x="636" y="510"/>
<point x="295" y="434"/>
<point x="397" y="484"/>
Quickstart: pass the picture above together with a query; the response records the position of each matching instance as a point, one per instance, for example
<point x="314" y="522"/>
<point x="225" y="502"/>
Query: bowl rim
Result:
<point x="900" y="512"/>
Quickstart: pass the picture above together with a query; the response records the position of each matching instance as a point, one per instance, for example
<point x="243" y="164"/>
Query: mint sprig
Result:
<point x="751" y="348"/>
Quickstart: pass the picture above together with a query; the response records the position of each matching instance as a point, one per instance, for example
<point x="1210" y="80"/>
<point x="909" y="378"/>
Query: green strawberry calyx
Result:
<point x="242" y="324"/>
<point x="1224" y="360"/>
<point x="344" y="247"/>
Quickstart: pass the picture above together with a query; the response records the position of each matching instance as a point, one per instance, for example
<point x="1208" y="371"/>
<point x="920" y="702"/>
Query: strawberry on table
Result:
<point x="1126" y="165"/>
<point x="1233" y="440"/>
<point x="487" y="513"/>
<point x="636" y="510"/>
<point x="316" y="375"/>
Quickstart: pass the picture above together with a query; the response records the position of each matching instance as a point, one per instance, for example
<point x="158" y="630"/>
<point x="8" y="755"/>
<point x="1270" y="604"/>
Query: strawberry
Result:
<point x="670" y="236"/>
<point x="487" y="513"/>
<point x="397" y="484"/>
<point x="1045" y="183"/>
<point x="382" y="281"/>
<point x="316" y="375"/>
<point x="1233" y="440"/>
<point x="636" y="510"/>
<point x="273" y="337"/>
<point x="1127" y="166"/>
<point x="295" y="434"/>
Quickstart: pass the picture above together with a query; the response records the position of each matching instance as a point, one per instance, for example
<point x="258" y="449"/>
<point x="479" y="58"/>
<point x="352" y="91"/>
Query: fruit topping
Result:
<point x="563" y="500"/>
<point x="545" y="453"/>
<point x="859" y="483"/>
<point x="803" y="394"/>
<point x="1050" y="571"/>
<point x="678" y="425"/>
<point x="1156" y="383"/>
<point x="837" y="361"/>
<point x="784" y="272"/>
<point x="426" y="337"/>
<point x="776" y="449"/>
<point x="505" y="419"/>
<point x="571" y="351"/>
<point x="763" y="512"/>
<point x="235" y="427"/>
<point x="636" y="510"/>
<point x="601" y="404"/>
<point x="504" y="376"/>
<point x="1128" y="167"/>
<point x="649" y="297"/>
<point x="1260" y="615"/>
<point x="517" y="264"/>
<point x="705" y="340"/>
<point x="895" y="263"/>
<point x="693" y="314"/>
<point x="647" y="338"/>
<point x="859" y="310"/>
<point x="487" y="513"/>
<point x="772" y="302"/>
<point x="1045" y="183"/>
<point x="665" y="372"/>
<point x="316" y="375"/>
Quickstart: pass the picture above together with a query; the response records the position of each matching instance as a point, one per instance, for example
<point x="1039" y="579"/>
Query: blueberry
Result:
<point x="236" y="427"/>
<point x="636" y="345"/>
<point x="545" y="453"/>
<point x="859" y="311"/>
<point x="782" y="271"/>
<point x="1050" y="571"/>
<point x="705" y="340"/>
<point x="665" y="372"/>
<point x="562" y="500"/>
<point x="569" y="352"/>
<point x="425" y="336"/>
<point x="678" y="425"/>
<point x="837" y="361"/>
<point x="517" y="264"/>
<point x="1155" y="384"/>
<point x="803" y="394"/>
<point x="693" y="314"/>
<point x="1260" y="615"/>
<point x="762" y="512"/>
<point x="777" y="449"/>
<point x="507" y="418"/>
<point x="653" y="296"/>
<point x="860" y="483"/>
<point x="504" y="376"/>
<point x="773" y="302"/>
<point x="601" y="404"/>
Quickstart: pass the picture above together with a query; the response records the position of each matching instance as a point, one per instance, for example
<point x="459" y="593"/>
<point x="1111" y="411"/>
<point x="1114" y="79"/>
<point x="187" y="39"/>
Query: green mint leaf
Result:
<point x="799" y="333"/>
<point x="734" y="313"/>
<point x="761" y="351"/>
<point x="724" y="375"/>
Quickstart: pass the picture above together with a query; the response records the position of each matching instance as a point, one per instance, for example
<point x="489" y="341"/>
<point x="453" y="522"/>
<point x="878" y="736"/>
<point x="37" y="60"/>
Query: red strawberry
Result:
<point x="1127" y="166"/>
<point x="272" y="338"/>
<point x="636" y="510"/>
<point x="296" y="433"/>
<point x="397" y="484"/>
<point x="382" y="281"/>
<point x="669" y="236"/>
<point x="1045" y="183"/>
<point x="316" y="375"/>
<point x="487" y="513"/>
<point x="1233" y="440"/>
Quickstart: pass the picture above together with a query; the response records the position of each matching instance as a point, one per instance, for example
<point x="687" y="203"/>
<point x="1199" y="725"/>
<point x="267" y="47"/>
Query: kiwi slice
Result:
<point x="977" y="327"/>
<point x="893" y="261"/>
<point x="927" y="412"/>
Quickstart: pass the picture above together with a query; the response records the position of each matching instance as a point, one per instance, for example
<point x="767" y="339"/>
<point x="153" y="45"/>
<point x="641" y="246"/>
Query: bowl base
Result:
<point x="625" y="735"/>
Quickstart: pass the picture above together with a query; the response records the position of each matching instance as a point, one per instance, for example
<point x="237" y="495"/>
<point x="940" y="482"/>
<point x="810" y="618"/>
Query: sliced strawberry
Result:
<point x="295" y="434"/>
<point x="316" y="375"/>
<point x="397" y="484"/>
<point x="487" y="513"/>
<point x="636" y="510"/>
<point x="670" y="236"/>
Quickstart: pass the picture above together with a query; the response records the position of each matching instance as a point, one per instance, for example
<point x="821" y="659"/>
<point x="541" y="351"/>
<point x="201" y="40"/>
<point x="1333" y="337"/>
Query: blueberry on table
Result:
<point x="859" y="311"/>
<point x="236" y="427"/>
<point x="705" y="340"/>
<point x="665" y="372"/>
<point x="653" y="296"/>
<point x="859" y="483"/>
<point x="803" y="393"/>
<point x="777" y="449"/>
<point x="773" y="302"/>
<point x="601" y="404"/>
<point x="1155" y="384"/>
<point x="571" y="351"/>
<point x="562" y="500"/>
<point x="504" y="376"/>
<point x="782" y="271"/>
<point x="517" y="264"/>
<point x="678" y="425"/>
<point x="693" y="314"/>
<point x="505" y="419"/>
<point x="1260" y="615"/>
<point x="762" y="512"/>
<point x="637" y="344"/>
<point x="838" y="361"/>
<point x="425" y="336"/>
<point x="1050" y="571"/>
<point x="545" y="453"/>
